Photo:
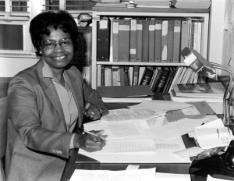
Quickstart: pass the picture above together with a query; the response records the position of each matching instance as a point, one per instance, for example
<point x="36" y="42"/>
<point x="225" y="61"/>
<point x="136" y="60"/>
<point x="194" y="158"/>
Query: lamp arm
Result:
<point x="228" y="91"/>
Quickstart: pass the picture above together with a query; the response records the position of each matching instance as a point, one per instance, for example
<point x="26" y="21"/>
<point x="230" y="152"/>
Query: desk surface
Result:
<point x="78" y="161"/>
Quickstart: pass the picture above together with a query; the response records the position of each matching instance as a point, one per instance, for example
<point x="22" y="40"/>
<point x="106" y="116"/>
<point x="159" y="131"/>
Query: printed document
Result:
<point x="127" y="175"/>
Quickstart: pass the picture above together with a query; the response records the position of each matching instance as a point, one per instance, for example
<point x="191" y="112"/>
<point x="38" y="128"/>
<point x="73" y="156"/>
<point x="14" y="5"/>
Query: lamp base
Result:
<point x="214" y="165"/>
<point x="221" y="165"/>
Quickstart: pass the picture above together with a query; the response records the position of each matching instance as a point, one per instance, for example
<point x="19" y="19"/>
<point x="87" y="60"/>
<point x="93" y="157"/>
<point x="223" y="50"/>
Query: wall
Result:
<point x="232" y="33"/>
<point x="220" y="49"/>
<point x="10" y="66"/>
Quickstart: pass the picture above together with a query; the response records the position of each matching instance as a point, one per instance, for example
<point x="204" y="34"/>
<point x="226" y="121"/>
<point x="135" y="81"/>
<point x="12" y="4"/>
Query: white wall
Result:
<point x="220" y="49"/>
<point x="233" y="33"/>
<point x="11" y="66"/>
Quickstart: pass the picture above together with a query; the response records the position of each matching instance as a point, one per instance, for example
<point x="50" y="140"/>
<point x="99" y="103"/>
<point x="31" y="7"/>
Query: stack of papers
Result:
<point x="213" y="134"/>
<point x="210" y="92"/>
<point x="148" y="139"/>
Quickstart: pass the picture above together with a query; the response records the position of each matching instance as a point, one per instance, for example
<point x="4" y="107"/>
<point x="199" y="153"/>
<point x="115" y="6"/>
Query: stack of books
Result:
<point x="210" y="92"/>
<point x="195" y="4"/>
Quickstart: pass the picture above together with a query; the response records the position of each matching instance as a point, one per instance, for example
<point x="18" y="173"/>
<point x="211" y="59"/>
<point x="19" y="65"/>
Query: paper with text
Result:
<point x="107" y="175"/>
<point x="127" y="175"/>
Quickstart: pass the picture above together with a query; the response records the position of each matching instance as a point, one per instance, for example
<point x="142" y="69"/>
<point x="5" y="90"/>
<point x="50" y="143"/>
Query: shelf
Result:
<point x="140" y="63"/>
<point x="145" y="10"/>
<point x="122" y="56"/>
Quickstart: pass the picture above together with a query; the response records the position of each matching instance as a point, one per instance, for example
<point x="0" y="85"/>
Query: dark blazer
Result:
<point x="38" y="140"/>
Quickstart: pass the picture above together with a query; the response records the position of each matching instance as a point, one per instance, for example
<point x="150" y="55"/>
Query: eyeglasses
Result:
<point x="51" y="44"/>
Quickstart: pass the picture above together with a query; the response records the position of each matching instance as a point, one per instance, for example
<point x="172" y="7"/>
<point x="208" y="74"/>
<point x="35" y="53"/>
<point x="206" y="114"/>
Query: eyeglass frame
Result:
<point x="51" y="44"/>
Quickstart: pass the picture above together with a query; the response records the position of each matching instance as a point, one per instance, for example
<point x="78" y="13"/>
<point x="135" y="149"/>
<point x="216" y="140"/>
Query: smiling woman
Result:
<point x="47" y="103"/>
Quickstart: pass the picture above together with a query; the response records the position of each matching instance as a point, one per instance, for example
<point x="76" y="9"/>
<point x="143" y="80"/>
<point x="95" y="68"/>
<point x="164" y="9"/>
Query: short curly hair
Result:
<point x="40" y="25"/>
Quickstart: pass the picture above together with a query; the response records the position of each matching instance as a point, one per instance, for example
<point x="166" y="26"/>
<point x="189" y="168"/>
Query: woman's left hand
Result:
<point x="92" y="112"/>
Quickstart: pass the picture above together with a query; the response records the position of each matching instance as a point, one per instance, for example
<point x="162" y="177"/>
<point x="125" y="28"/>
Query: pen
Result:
<point x="95" y="135"/>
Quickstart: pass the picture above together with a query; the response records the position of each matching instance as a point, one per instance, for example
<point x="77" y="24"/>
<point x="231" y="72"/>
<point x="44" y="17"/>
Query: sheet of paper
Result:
<point x="213" y="137"/>
<point x="107" y="175"/>
<point x="172" y="176"/>
<point x="140" y="151"/>
<point x="126" y="129"/>
<point x="131" y="114"/>
<point x="212" y="134"/>
<point x="126" y="175"/>
<point x="137" y="157"/>
<point x="162" y="105"/>
<point x="210" y="178"/>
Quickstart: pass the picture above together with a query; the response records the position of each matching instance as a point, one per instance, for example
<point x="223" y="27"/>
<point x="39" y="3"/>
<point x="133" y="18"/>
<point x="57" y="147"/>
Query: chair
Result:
<point x="3" y="134"/>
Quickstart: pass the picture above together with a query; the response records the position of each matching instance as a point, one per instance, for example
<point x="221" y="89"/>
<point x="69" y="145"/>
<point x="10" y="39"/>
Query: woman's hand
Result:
<point x="92" y="112"/>
<point x="90" y="141"/>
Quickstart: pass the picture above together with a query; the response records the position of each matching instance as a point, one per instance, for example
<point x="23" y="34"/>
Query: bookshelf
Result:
<point x="126" y="21"/>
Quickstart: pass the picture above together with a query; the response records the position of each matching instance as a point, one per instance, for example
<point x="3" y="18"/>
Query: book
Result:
<point x="164" y="40"/>
<point x="172" y="71"/>
<point x="184" y="35"/>
<point x="162" y="81"/>
<point x="145" y="40"/>
<point x="139" y="35"/>
<point x="108" y="76"/>
<point x="170" y="40"/>
<point x="133" y="39"/>
<point x="148" y="74"/>
<point x="156" y="78"/>
<point x="141" y="73"/>
<point x="196" y="4"/>
<point x="124" y="76"/>
<point x="124" y="91"/>
<point x="175" y="79"/>
<point x="115" y="76"/>
<point x="158" y="40"/>
<point x="103" y="39"/>
<point x="210" y="89"/>
<point x="151" y="39"/>
<point x="124" y="40"/>
<point x="176" y="41"/>
<point x="115" y="38"/>
<point x="135" y="75"/>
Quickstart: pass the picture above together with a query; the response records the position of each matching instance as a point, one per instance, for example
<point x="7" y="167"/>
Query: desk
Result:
<point x="78" y="161"/>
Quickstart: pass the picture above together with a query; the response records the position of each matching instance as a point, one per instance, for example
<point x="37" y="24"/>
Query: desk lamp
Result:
<point x="198" y="63"/>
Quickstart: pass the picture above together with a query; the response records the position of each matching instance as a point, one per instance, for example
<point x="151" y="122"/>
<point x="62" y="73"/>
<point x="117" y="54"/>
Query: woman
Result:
<point x="47" y="102"/>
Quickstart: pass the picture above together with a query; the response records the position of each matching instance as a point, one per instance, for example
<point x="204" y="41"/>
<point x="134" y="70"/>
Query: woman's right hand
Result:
<point x="92" y="141"/>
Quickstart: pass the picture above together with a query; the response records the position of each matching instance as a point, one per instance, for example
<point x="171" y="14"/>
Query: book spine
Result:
<point x="133" y="40"/>
<point x="99" y="76"/>
<point x="164" y="40"/>
<point x="108" y="76"/>
<point x="103" y="39"/>
<point x="145" y="41"/>
<point x="135" y="75"/>
<point x="151" y="39"/>
<point x="115" y="35"/>
<point x="124" y="40"/>
<point x="156" y="79"/>
<point x="115" y="76"/>
<point x="170" y="40"/>
<point x="176" y="42"/>
<point x="162" y="80"/>
<point x="158" y="40"/>
<point x="139" y="35"/>
<point x="148" y="74"/>
<point x="141" y="74"/>
<point x="184" y="36"/>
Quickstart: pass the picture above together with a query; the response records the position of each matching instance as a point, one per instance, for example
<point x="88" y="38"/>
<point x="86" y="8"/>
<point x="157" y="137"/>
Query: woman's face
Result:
<point x="57" y="49"/>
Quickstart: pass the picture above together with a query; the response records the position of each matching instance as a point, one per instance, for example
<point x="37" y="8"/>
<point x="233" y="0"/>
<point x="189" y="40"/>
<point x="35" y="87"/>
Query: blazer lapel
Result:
<point x="51" y="93"/>
<point x="77" y="96"/>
